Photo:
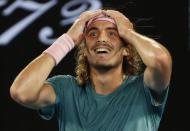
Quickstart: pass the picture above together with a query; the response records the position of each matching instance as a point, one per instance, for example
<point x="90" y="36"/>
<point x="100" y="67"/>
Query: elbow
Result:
<point x="162" y="60"/>
<point x="15" y="93"/>
<point x="163" y="68"/>
<point x="20" y="96"/>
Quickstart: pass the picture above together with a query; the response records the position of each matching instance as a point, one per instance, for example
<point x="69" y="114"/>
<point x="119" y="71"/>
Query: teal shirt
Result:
<point x="129" y="108"/>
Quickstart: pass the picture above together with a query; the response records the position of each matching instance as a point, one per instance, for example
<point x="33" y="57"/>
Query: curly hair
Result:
<point x="132" y="64"/>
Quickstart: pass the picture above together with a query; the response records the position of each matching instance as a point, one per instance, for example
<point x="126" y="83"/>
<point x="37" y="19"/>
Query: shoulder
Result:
<point x="136" y="79"/>
<point x="59" y="79"/>
<point x="61" y="83"/>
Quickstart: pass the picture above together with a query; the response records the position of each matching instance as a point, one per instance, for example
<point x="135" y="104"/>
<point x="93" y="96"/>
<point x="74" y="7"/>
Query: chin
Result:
<point x="103" y="64"/>
<point x="102" y="67"/>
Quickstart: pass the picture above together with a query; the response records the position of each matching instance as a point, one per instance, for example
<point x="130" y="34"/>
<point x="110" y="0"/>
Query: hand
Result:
<point x="76" y="30"/>
<point x="123" y="23"/>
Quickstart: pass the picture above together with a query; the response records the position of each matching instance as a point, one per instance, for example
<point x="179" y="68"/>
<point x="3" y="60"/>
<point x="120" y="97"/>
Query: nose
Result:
<point x="102" y="37"/>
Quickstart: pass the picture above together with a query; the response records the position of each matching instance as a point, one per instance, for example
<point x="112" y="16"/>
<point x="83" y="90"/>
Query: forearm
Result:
<point x="27" y="85"/>
<point x="150" y="51"/>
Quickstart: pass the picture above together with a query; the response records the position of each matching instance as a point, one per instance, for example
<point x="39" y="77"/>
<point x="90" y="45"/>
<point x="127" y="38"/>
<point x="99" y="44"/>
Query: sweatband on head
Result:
<point x="101" y="17"/>
<point x="60" y="48"/>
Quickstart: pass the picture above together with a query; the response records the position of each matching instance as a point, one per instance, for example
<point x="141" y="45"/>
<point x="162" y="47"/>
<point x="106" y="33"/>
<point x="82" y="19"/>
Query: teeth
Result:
<point x="102" y="50"/>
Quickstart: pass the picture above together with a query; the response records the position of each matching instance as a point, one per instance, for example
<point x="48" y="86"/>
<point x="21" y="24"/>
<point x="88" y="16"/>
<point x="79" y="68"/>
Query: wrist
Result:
<point x="60" y="48"/>
<point x="127" y="35"/>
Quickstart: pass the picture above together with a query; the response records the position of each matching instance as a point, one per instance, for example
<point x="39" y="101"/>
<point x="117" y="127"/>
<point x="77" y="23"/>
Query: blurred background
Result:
<point x="28" y="27"/>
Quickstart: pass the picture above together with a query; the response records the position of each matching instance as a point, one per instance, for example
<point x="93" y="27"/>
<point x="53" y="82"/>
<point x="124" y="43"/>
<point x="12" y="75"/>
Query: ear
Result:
<point x="126" y="51"/>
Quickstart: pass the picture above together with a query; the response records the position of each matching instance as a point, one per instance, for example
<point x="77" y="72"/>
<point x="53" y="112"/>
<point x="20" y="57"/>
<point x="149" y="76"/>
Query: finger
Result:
<point x="115" y="14"/>
<point x="120" y="18"/>
<point x="104" y="12"/>
<point x="93" y="14"/>
<point x="90" y="14"/>
<point x="112" y="13"/>
<point x="86" y="16"/>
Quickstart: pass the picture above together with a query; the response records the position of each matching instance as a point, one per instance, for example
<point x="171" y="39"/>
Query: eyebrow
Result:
<point x="108" y="28"/>
<point x="93" y="28"/>
<point x="112" y="28"/>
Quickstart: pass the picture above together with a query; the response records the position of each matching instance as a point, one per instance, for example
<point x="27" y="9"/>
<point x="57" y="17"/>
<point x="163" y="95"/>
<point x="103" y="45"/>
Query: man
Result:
<point x="110" y="93"/>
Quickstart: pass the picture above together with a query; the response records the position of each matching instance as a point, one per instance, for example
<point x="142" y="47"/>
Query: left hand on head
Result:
<point x="123" y="23"/>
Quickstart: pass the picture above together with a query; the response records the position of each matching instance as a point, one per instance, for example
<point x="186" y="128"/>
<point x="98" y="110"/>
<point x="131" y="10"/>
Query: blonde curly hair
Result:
<point x="132" y="65"/>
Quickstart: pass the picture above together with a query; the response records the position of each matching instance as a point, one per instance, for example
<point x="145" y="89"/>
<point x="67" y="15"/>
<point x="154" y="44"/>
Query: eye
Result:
<point x="112" y="33"/>
<point x="93" y="34"/>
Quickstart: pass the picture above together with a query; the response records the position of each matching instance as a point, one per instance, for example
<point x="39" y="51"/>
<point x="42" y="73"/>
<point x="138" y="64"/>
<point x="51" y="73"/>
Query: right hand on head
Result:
<point x="76" y="30"/>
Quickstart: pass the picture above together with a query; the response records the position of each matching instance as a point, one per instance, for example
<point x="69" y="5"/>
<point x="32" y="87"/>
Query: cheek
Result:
<point x="119" y="46"/>
<point x="115" y="40"/>
<point x="87" y="43"/>
<point x="87" y="49"/>
<point x="90" y="44"/>
<point x="90" y="39"/>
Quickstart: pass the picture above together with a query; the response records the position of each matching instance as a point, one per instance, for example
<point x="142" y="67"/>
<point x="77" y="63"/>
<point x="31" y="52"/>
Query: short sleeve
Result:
<point x="59" y="83"/>
<point x="159" y="108"/>
<point x="47" y="113"/>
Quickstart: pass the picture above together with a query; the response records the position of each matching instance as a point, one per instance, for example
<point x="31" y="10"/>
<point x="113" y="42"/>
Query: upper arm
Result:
<point x="45" y="97"/>
<point x="157" y="78"/>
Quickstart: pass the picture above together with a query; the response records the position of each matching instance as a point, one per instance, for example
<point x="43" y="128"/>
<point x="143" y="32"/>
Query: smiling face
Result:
<point x="103" y="46"/>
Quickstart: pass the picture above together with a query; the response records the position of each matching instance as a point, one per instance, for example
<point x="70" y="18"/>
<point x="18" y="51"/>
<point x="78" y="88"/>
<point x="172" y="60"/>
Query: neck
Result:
<point x="105" y="81"/>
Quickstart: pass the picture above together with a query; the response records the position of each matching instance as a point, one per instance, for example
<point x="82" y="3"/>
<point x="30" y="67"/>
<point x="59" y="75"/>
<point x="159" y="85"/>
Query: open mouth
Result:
<point x="101" y="51"/>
